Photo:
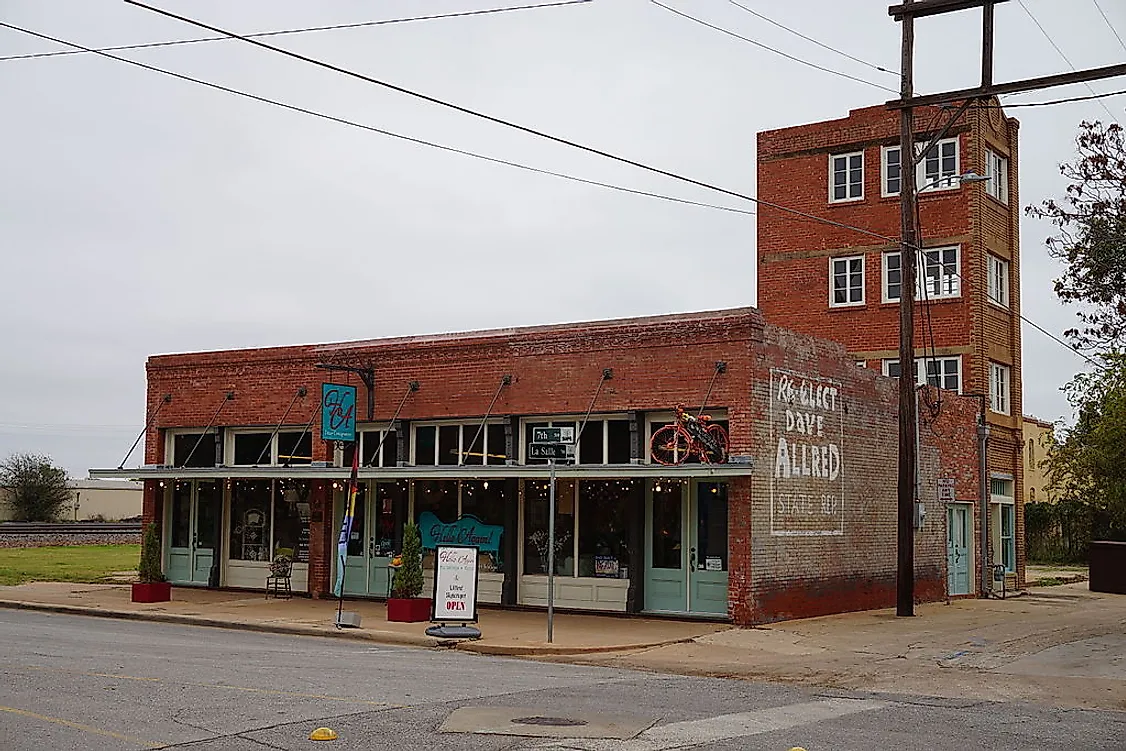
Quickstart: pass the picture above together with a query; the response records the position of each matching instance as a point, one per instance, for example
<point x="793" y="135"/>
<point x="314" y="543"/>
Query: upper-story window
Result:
<point x="846" y="177"/>
<point x="997" y="280"/>
<point x="940" y="372"/>
<point x="939" y="274"/>
<point x="999" y="388"/>
<point x="248" y="448"/>
<point x="997" y="170"/>
<point x="846" y="281"/>
<point x="938" y="170"/>
<point x="603" y="440"/>
<point x="378" y="448"/>
<point x="458" y="443"/>
<point x="191" y="449"/>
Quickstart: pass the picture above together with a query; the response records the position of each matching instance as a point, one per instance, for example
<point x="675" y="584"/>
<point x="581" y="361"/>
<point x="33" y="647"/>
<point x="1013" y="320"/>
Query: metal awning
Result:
<point x="495" y="472"/>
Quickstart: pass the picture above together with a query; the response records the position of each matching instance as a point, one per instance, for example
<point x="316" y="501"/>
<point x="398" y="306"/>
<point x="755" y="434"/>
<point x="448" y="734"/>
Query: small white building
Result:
<point x="100" y="500"/>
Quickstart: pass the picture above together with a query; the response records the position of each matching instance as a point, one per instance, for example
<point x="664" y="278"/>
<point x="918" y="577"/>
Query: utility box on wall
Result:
<point x="1108" y="567"/>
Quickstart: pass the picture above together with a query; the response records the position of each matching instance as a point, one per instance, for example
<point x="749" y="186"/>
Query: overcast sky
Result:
<point x="141" y="214"/>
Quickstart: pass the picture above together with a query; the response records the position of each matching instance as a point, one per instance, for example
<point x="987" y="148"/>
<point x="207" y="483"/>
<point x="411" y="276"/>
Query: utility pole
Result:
<point x="905" y="496"/>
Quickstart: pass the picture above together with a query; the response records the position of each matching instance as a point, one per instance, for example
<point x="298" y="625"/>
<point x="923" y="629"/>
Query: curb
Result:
<point x="383" y="637"/>
<point x="551" y="649"/>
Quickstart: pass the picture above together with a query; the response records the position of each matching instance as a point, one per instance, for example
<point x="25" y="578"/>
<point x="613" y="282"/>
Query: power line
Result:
<point x="796" y="33"/>
<point x="303" y="30"/>
<point x="381" y="131"/>
<point x="1061" y="53"/>
<point x="1109" y="24"/>
<point x="985" y="105"/>
<point x="730" y="33"/>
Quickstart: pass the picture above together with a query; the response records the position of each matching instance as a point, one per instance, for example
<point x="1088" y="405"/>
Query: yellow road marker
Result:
<point x="323" y="734"/>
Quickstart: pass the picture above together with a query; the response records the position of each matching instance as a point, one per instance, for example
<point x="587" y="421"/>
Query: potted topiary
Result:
<point x="152" y="587"/>
<point x="405" y="605"/>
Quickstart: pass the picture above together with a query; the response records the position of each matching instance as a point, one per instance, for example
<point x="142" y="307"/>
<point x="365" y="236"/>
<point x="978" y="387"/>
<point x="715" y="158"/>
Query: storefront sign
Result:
<point x="468" y="530"/>
<point x="455" y="584"/>
<point x="807" y="472"/>
<point x="338" y="412"/>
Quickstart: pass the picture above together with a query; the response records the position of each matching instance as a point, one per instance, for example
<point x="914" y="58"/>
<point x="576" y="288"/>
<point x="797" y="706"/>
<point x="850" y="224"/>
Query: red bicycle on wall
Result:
<point x="689" y="436"/>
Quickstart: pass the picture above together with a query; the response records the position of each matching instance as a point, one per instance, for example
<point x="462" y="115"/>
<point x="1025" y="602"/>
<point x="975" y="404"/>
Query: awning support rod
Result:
<point x="226" y="398"/>
<point x="505" y="380"/>
<point x="720" y="367"/>
<point x="148" y="424"/>
<point x="411" y="388"/>
<point x="607" y="374"/>
<point x="301" y="391"/>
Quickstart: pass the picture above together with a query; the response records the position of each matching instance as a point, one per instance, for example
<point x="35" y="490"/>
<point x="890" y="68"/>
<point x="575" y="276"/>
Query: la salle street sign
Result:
<point x="553" y="435"/>
<point x="550" y="450"/>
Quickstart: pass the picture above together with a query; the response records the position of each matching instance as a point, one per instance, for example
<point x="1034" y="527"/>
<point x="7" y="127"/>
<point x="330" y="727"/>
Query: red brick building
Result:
<point x="798" y="520"/>
<point x="838" y="284"/>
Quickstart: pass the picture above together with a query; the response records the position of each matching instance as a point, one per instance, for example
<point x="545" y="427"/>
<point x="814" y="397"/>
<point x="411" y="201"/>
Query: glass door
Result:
<point x="193" y="515"/>
<point x="707" y="551"/>
<point x="373" y="538"/>
<point x="666" y="556"/>
<point x="356" y="562"/>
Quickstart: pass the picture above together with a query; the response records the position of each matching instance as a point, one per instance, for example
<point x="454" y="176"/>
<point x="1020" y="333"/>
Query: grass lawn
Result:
<point x="69" y="563"/>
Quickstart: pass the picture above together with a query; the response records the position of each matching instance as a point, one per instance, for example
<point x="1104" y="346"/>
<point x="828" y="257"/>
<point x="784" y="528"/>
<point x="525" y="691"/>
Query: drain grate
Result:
<point x="558" y="722"/>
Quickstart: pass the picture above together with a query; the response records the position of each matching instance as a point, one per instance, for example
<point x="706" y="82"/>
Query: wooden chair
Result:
<point x="277" y="583"/>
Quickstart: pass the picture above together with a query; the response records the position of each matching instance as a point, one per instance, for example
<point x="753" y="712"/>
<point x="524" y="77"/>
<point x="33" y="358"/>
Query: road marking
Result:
<point x="726" y="727"/>
<point x="232" y="687"/>
<point x="83" y="728"/>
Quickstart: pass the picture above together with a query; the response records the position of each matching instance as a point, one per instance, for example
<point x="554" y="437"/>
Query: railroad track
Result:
<point x="69" y="528"/>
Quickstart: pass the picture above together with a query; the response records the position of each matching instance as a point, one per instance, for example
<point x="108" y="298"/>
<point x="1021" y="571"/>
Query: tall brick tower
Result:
<point x="839" y="284"/>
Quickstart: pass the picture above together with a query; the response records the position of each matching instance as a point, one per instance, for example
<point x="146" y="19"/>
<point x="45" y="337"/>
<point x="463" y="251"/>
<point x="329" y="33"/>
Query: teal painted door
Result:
<point x="666" y="555"/>
<point x="707" y="551"/>
<point x="356" y="563"/>
<point x="958" y="549"/>
<point x="369" y="545"/>
<point x="194" y="511"/>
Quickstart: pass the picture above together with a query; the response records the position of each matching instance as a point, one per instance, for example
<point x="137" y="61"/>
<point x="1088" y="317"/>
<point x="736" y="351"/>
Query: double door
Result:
<point x="686" y="547"/>
<point x="958" y="533"/>
<point x="193" y="531"/>
<point x="376" y="534"/>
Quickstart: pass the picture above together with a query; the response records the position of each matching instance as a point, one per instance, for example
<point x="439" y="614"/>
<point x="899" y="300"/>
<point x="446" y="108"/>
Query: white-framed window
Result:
<point x="997" y="170"/>
<point x="255" y="447"/>
<point x="938" y="273"/>
<point x="605" y="439"/>
<point x="999" y="388"/>
<point x="861" y="363"/>
<point x="846" y="177"/>
<point x="891" y="171"/>
<point x="997" y="280"/>
<point x="940" y="372"/>
<point x="378" y="447"/>
<point x="938" y="170"/>
<point x="456" y="443"/>
<point x="846" y="281"/>
<point x="1003" y="522"/>
<point x="188" y="447"/>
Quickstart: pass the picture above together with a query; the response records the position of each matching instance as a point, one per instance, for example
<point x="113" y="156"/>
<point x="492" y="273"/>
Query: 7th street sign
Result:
<point x="551" y="450"/>
<point x="553" y="435"/>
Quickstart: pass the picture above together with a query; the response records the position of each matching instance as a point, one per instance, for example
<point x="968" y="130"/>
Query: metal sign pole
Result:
<point x="551" y="553"/>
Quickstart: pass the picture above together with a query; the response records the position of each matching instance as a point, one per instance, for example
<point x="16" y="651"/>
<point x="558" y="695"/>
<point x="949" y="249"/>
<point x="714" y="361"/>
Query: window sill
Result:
<point x="999" y="306"/>
<point x="848" y="305"/>
<point x="839" y="201"/>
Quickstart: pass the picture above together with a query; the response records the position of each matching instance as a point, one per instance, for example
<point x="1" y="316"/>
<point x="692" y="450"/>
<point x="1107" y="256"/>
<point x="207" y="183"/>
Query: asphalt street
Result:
<point x="71" y="682"/>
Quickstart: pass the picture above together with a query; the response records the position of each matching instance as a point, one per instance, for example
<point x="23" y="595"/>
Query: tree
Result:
<point x="1091" y="239"/>
<point x="1087" y="462"/>
<point x="407" y="581"/>
<point x="37" y="489"/>
<point x="148" y="571"/>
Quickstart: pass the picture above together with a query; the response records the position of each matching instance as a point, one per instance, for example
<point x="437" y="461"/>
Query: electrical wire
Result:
<point x="1007" y="105"/>
<point x="381" y="131"/>
<point x="1061" y="53"/>
<point x="1109" y="24"/>
<point x="303" y="30"/>
<point x="796" y="33"/>
<point x="788" y="56"/>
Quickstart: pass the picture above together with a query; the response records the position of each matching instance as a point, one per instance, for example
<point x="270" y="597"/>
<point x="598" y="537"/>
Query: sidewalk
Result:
<point x="503" y="632"/>
<point x="1060" y="645"/>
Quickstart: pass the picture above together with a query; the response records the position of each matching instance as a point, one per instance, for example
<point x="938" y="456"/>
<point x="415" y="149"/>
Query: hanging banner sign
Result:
<point x="455" y="584"/>
<point x="338" y="412"/>
<point x="468" y="530"/>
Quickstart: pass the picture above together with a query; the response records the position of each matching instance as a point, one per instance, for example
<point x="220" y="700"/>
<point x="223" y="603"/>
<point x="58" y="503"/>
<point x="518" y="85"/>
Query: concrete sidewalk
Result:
<point x="1061" y="645"/>
<point x="504" y="632"/>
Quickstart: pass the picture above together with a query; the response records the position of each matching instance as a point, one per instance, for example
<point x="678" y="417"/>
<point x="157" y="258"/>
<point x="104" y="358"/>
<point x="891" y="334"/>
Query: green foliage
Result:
<point x="1091" y="239"/>
<point x="65" y="563"/>
<point x="149" y="570"/>
<point x="1059" y="532"/>
<point x="407" y="581"/>
<point x="1087" y="462"/>
<point x="37" y="490"/>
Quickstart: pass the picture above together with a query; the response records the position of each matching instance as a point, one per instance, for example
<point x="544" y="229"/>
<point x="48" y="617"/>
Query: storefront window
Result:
<point x="711" y="526"/>
<point x="291" y="520"/>
<point x="250" y="520"/>
<point x="536" y="506"/>
<point x="667" y="531"/>
<point x="439" y="497"/>
<point x="359" y="519"/>
<point x="295" y="448"/>
<point x="181" y="515"/>
<point x="252" y="448"/>
<point x="389" y="497"/>
<point x="484" y="500"/>
<point x="604" y="509"/>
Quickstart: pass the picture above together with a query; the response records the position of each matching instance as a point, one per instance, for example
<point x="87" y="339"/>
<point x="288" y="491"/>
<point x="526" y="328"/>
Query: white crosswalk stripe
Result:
<point x="725" y="727"/>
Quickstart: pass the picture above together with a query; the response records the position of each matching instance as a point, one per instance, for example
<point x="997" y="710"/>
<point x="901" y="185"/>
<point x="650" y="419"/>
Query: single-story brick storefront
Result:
<point x="797" y="517"/>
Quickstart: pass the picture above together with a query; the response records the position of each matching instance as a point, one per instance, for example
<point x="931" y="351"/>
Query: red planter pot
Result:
<point x="412" y="610"/>
<point x="152" y="592"/>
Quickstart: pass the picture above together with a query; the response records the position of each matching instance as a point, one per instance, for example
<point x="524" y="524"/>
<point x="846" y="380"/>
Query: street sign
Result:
<point x="553" y="435"/>
<point x="550" y="450"/>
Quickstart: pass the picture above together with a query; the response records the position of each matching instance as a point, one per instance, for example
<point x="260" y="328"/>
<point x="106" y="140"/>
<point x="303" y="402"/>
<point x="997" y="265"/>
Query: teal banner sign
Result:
<point x="338" y="412"/>
<point x="468" y="530"/>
